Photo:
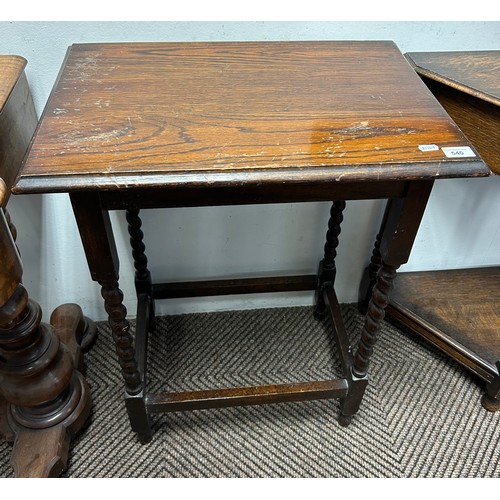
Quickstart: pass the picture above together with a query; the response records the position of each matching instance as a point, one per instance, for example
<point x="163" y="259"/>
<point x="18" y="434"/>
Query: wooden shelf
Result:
<point x="456" y="310"/>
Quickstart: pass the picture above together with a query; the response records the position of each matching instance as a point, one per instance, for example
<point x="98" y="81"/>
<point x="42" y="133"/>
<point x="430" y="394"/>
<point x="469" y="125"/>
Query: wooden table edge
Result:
<point x="439" y="169"/>
<point x="450" y="82"/>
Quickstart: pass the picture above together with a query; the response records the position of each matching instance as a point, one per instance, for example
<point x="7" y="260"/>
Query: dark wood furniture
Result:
<point x="457" y="310"/>
<point x="44" y="399"/>
<point x="135" y="126"/>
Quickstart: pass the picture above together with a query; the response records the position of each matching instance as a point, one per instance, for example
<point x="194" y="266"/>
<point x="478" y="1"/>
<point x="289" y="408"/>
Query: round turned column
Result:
<point x="37" y="371"/>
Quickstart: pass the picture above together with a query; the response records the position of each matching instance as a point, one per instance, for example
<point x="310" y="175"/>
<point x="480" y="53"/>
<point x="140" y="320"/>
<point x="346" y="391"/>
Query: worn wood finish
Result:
<point x="244" y="396"/>
<point x="457" y="310"/>
<point x="44" y="399"/>
<point x="135" y="115"/>
<point x="132" y="126"/>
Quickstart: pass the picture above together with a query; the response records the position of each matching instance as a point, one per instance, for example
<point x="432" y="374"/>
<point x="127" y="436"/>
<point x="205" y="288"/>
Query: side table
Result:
<point x="133" y="126"/>
<point x="457" y="310"/>
<point x="44" y="399"/>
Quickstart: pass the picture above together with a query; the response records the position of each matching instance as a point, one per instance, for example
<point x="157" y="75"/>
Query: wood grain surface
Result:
<point x="11" y="68"/>
<point x="18" y="119"/>
<point x="131" y="115"/>
<point x="467" y="84"/>
<point x="462" y="303"/>
<point x="472" y="72"/>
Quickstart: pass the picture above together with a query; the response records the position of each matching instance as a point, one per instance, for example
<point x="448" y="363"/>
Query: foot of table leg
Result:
<point x="349" y="405"/>
<point x="345" y="420"/>
<point x="358" y="378"/>
<point x="40" y="453"/>
<point x="132" y="375"/>
<point x="41" y="433"/>
<point x="489" y="403"/>
<point x="139" y="418"/>
<point x="41" y="449"/>
<point x="491" y="398"/>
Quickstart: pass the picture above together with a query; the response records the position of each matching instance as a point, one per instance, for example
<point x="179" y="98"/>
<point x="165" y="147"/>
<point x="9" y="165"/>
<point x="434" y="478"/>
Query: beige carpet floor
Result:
<point x="421" y="415"/>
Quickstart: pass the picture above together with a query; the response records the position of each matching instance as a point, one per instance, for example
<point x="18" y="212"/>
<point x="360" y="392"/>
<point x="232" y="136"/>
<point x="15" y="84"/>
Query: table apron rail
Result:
<point x="249" y="195"/>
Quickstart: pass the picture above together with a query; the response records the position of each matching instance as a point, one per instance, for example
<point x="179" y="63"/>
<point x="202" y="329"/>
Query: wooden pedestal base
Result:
<point x="45" y="399"/>
<point x="41" y="434"/>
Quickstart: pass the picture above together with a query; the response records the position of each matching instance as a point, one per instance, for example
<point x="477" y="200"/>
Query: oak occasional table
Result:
<point x="457" y="310"/>
<point x="44" y="399"/>
<point x="136" y="126"/>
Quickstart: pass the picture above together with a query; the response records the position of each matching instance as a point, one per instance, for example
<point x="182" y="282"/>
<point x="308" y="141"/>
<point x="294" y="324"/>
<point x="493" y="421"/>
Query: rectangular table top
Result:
<point x="135" y="115"/>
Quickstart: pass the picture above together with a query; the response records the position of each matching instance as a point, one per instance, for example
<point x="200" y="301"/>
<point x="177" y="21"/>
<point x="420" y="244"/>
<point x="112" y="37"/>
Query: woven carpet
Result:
<point x="421" y="415"/>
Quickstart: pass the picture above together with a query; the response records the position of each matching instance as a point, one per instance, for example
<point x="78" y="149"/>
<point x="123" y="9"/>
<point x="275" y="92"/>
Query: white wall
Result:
<point x="461" y="226"/>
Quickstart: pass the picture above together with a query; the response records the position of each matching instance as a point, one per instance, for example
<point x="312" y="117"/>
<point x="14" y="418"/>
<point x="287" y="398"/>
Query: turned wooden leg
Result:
<point x="491" y="398"/>
<point x="370" y="273"/>
<point x="98" y="242"/>
<point x="361" y="360"/>
<point x="124" y="344"/>
<point x="143" y="283"/>
<point x="87" y="331"/>
<point x="145" y="323"/>
<point x="45" y="400"/>
<point x="373" y="319"/>
<point x="392" y="249"/>
<point x="370" y="276"/>
<point x="327" y="269"/>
